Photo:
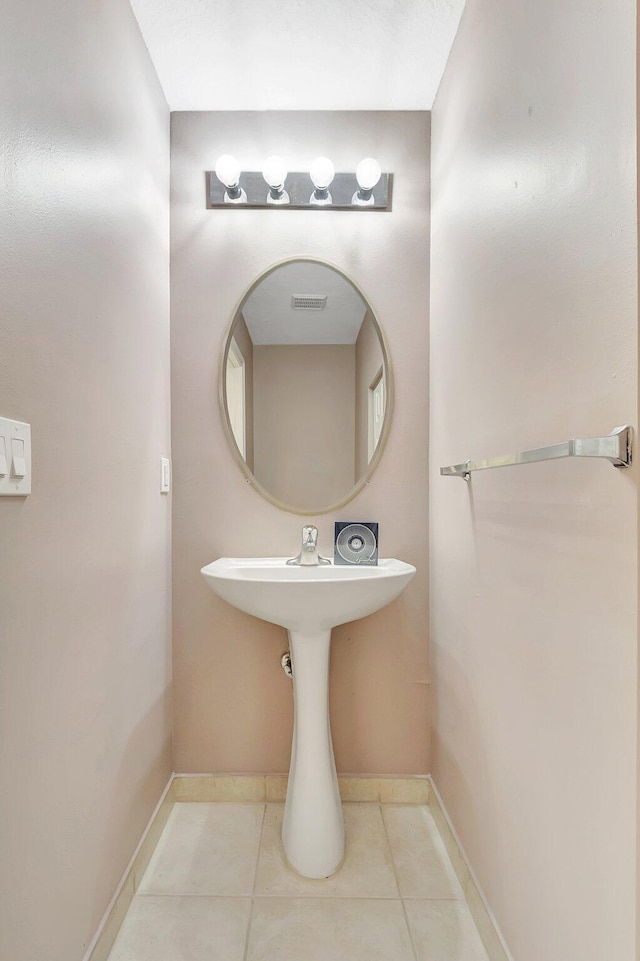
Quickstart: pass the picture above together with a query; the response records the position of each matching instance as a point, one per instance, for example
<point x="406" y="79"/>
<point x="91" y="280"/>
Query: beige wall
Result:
<point x="304" y="422"/>
<point x="534" y="586"/>
<point x="84" y="593"/>
<point x="368" y="363"/>
<point x="233" y="702"/>
<point x="638" y="540"/>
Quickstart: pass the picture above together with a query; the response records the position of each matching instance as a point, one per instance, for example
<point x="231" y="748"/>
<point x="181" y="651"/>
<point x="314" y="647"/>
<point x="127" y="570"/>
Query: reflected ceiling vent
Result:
<point x="308" y="303"/>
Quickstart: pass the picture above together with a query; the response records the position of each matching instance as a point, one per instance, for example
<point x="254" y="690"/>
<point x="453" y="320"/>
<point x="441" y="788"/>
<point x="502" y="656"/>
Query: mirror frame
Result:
<point x="224" y="410"/>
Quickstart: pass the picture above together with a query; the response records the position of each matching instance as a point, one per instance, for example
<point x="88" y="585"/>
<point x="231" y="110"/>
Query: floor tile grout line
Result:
<point x="248" y="934"/>
<point x="390" y="847"/>
<point x="395" y="874"/>
<point x="425" y="897"/>
<point x="406" y="921"/>
<point x="255" y="873"/>
<point x="255" y="880"/>
<point x="211" y="897"/>
<point x="299" y="897"/>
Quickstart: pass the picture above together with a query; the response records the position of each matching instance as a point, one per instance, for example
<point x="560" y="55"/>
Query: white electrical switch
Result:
<point x="15" y="458"/>
<point x="165" y="475"/>
<point x="18" y="462"/>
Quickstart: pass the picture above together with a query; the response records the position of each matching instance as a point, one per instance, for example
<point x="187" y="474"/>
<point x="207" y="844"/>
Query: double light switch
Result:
<point x="15" y="458"/>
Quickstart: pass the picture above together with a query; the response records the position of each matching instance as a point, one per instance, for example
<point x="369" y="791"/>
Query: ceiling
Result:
<point x="271" y="319"/>
<point x="299" y="54"/>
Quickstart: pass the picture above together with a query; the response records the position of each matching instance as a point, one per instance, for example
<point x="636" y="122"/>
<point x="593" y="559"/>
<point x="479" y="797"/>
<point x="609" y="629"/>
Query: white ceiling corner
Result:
<point x="299" y="54"/>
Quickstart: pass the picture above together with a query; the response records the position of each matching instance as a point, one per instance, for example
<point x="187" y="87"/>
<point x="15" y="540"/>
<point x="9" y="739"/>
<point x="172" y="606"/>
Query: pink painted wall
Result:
<point x="534" y="569"/>
<point x="85" y="666"/>
<point x="233" y="702"/>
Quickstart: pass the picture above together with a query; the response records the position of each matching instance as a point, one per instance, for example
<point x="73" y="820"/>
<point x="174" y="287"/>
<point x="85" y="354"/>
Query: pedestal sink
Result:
<point x="309" y="602"/>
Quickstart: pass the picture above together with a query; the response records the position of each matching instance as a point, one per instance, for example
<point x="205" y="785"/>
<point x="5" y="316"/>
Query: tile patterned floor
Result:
<point x="218" y="889"/>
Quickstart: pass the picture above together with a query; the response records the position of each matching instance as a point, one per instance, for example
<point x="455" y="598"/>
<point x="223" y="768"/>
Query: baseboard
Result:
<point x="485" y="921"/>
<point x="108" y="928"/>
<point x="273" y="787"/>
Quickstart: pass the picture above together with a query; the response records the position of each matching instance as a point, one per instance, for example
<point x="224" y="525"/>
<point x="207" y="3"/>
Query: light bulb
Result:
<point x="228" y="170"/>
<point x="275" y="171"/>
<point x="368" y="173"/>
<point x="322" y="172"/>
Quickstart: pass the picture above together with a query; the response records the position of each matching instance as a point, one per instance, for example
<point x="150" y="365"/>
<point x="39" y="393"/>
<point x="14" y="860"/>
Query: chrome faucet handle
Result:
<point x="308" y="556"/>
<point x="310" y="538"/>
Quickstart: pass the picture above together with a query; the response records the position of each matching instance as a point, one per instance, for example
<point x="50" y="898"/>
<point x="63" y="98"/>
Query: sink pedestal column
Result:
<point x="313" y="829"/>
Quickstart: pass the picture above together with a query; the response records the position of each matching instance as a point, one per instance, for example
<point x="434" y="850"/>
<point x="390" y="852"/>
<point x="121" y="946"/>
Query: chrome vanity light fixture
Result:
<point x="231" y="187"/>
<point x="228" y="172"/>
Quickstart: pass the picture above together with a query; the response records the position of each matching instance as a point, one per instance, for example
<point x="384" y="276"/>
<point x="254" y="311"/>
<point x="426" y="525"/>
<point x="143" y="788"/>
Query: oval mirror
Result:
<point x="306" y="387"/>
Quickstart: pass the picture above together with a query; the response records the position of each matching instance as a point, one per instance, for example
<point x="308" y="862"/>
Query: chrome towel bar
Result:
<point x="615" y="447"/>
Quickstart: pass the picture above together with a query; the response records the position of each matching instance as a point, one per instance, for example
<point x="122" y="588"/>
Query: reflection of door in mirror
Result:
<point x="369" y="372"/>
<point x="243" y="345"/>
<point x="236" y="398"/>
<point x="376" y="412"/>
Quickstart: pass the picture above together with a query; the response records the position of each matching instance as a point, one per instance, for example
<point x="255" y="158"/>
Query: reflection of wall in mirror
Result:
<point x="369" y="362"/>
<point x="243" y="339"/>
<point x="304" y="422"/>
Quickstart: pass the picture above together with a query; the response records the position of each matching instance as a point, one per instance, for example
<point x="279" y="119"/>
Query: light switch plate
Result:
<point x="15" y="458"/>
<point x="165" y="475"/>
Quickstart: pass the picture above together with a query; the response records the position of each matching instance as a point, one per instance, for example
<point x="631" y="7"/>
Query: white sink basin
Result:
<point x="300" y="598"/>
<point x="309" y="601"/>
